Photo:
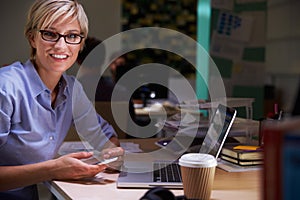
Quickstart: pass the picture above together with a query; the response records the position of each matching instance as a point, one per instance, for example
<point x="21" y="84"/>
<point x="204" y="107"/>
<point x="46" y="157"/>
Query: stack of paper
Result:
<point x="188" y="125"/>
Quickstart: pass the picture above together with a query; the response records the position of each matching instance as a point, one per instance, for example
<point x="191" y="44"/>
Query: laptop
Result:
<point x="167" y="173"/>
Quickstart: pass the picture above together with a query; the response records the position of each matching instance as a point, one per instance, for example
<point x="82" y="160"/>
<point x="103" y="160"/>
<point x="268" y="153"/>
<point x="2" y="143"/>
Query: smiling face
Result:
<point x="56" y="57"/>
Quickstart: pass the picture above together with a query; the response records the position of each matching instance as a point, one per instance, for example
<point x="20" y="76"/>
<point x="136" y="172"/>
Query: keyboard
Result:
<point x="166" y="172"/>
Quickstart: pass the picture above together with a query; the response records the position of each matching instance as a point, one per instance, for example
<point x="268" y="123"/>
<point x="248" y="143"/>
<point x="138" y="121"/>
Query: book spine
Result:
<point x="258" y="155"/>
<point x="243" y="154"/>
<point x="242" y="162"/>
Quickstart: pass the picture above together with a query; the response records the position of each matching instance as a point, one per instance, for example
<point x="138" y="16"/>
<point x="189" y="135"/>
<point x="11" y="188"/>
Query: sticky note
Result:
<point x="246" y="147"/>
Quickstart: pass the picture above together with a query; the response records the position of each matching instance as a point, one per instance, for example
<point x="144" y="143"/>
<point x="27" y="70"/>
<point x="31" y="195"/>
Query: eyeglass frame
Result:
<point x="60" y="36"/>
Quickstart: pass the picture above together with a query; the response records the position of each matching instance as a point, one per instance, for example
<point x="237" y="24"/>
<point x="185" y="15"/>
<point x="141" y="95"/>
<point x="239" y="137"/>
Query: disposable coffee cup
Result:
<point x="198" y="172"/>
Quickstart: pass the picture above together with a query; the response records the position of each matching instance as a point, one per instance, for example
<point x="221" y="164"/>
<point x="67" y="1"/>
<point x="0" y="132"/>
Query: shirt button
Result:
<point x="51" y="138"/>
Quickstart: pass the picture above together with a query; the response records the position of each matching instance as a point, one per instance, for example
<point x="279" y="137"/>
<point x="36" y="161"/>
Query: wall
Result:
<point x="13" y="44"/>
<point x="277" y="30"/>
<point x="283" y="47"/>
<point x="104" y="19"/>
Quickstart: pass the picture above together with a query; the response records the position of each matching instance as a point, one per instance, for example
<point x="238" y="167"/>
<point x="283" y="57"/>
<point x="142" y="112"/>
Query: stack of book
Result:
<point x="242" y="155"/>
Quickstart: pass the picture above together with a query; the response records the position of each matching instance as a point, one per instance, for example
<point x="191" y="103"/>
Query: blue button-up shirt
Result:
<point x="31" y="130"/>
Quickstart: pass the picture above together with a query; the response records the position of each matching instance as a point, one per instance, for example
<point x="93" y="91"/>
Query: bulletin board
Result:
<point x="238" y="40"/>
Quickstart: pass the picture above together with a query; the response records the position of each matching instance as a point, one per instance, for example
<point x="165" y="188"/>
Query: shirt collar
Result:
<point x="64" y="84"/>
<point x="37" y="84"/>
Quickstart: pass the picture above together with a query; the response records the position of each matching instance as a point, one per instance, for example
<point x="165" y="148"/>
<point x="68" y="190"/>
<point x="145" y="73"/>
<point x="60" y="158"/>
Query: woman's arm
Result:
<point x="68" y="167"/>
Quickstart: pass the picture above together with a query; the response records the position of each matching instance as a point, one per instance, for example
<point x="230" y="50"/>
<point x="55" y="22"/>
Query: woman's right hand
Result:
<point x="70" y="167"/>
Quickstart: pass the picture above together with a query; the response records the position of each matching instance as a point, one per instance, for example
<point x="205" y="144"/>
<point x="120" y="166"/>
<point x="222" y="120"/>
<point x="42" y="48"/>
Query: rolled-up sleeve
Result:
<point x="5" y="113"/>
<point x="90" y="126"/>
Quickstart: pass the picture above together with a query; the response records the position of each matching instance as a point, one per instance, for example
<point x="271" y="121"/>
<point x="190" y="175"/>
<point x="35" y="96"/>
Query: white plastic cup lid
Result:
<point x="197" y="160"/>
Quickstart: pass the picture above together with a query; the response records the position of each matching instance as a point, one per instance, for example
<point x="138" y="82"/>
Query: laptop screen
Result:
<point x="218" y="130"/>
<point x="215" y="135"/>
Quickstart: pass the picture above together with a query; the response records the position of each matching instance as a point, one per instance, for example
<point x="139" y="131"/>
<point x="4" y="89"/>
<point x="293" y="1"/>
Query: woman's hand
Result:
<point x="70" y="167"/>
<point x="114" y="152"/>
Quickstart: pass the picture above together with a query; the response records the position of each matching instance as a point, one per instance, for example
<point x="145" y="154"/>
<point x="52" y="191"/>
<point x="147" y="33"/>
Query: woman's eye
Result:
<point x="50" y="34"/>
<point x="72" y="36"/>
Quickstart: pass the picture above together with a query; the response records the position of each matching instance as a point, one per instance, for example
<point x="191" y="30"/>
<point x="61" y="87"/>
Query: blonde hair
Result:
<point x="45" y="12"/>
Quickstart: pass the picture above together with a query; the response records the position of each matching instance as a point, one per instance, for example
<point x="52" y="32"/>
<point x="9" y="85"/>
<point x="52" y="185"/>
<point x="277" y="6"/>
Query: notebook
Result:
<point x="166" y="173"/>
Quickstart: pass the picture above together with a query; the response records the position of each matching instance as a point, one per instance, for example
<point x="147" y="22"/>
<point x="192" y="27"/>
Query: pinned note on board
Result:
<point x="232" y="33"/>
<point x="234" y="26"/>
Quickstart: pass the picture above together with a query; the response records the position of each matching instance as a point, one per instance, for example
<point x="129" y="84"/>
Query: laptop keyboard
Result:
<point x="166" y="172"/>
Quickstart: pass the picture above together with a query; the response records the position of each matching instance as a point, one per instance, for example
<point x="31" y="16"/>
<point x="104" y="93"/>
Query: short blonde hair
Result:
<point x="45" y="12"/>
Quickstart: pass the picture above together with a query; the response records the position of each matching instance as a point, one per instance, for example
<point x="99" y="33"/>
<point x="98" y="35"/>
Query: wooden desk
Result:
<point x="227" y="185"/>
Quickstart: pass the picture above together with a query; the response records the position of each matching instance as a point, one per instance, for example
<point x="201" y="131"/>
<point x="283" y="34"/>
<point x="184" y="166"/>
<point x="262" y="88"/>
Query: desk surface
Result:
<point x="227" y="185"/>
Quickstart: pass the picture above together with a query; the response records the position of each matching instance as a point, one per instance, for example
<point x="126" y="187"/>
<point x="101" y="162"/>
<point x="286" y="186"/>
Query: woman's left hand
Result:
<point x="111" y="153"/>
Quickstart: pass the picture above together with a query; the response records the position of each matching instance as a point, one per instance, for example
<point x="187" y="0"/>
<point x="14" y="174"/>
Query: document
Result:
<point x="230" y="167"/>
<point x="76" y="146"/>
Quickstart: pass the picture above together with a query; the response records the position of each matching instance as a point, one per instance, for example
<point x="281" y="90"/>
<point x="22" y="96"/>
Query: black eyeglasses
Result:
<point x="70" y="38"/>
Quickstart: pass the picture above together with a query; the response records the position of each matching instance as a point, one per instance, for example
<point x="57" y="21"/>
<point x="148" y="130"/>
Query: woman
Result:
<point x="39" y="102"/>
